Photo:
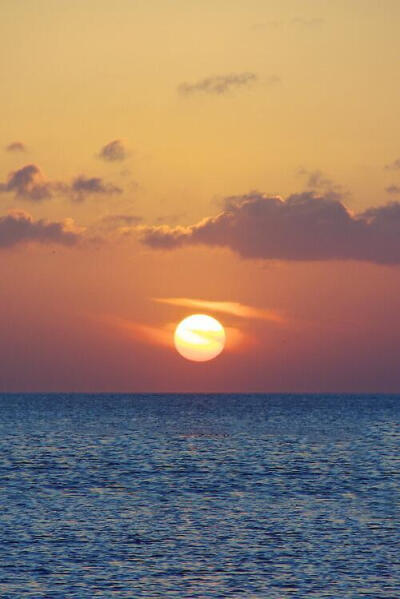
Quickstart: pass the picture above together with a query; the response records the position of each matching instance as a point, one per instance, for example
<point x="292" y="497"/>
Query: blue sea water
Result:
<point x="191" y="496"/>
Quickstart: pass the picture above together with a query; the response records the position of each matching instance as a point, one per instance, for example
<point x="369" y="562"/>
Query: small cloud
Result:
<point x="393" y="166"/>
<point x="393" y="189"/>
<point x="233" y="308"/>
<point x="218" y="85"/>
<point x="114" y="151"/>
<point x="83" y="186"/>
<point x="29" y="183"/>
<point x="16" y="146"/>
<point x="19" y="227"/>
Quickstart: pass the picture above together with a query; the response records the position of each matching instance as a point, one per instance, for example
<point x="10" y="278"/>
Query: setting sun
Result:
<point x="199" y="338"/>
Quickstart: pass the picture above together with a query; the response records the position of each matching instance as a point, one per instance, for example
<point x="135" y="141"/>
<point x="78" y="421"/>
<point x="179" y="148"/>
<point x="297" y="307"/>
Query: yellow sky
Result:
<point x="78" y="74"/>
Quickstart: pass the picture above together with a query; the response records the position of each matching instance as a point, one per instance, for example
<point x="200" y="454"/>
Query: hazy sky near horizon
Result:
<point x="245" y="152"/>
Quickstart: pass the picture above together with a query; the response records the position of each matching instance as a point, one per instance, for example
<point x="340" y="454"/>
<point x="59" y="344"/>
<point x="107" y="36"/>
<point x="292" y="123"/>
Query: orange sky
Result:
<point x="157" y="155"/>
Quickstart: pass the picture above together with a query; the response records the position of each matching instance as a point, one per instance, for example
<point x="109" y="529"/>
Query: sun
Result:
<point x="199" y="338"/>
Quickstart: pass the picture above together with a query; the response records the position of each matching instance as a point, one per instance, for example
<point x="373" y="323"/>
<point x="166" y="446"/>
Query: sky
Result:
<point x="165" y="157"/>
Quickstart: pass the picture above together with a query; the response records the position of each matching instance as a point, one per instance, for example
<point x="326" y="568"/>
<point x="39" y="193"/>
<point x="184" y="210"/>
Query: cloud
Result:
<point x="18" y="227"/>
<point x="233" y="308"/>
<point x="393" y="166"/>
<point x="308" y="22"/>
<point x="218" y="85"/>
<point x="393" y="189"/>
<point x="16" y="146"/>
<point x="115" y="221"/>
<point x="318" y="181"/>
<point x="114" y="151"/>
<point x="305" y="227"/>
<point x="83" y="186"/>
<point x="162" y="335"/>
<point x="29" y="183"/>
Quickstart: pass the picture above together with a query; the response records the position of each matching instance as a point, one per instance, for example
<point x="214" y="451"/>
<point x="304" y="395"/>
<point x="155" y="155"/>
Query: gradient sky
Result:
<point x="216" y="151"/>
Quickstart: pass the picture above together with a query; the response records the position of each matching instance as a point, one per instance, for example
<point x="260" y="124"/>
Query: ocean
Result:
<point x="186" y="496"/>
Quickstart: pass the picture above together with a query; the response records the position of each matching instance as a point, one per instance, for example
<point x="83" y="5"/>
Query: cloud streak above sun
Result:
<point x="233" y="308"/>
<point x="305" y="227"/>
<point x="163" y="334"/>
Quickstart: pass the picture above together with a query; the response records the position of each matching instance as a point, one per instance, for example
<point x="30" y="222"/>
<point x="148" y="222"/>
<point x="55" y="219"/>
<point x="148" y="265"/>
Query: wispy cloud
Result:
<point x="233" y="308"/>
<point x="393" y="166"/>
<point x="118" y="221"/>
<point x="318" y="181"/>
<point x="163" y="335"/>
<point x="393" y="189"/>
<point x="171" y="218"/>
<point x="218" y="85"/>
<point x="308" y="22"/>
<point x="16" y="146"/>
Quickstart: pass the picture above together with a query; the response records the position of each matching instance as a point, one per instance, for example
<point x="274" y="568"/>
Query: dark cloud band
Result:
<point x="304" y="227"/>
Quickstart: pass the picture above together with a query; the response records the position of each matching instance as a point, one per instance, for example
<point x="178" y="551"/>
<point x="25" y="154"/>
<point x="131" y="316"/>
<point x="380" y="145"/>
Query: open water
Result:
<point x="185" y="496"/>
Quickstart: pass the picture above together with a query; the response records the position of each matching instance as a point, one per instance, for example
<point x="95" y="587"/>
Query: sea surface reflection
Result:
<point x="185" y="496"/>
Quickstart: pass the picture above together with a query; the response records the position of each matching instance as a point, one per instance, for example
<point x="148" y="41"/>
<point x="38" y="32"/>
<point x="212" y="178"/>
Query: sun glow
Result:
<point x="199" y="337"/>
